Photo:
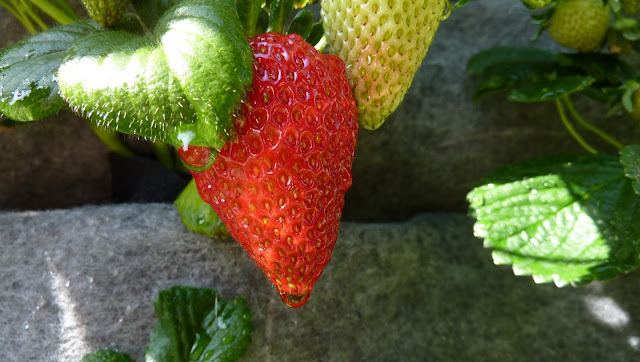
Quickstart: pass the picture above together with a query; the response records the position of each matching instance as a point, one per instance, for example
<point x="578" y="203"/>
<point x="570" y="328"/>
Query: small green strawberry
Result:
<point x="536" y="4"/>
<point x="106" y="12"/>
<point x="383" y="43"/>
<point x="630" y="7"/>
<point x="580" y="24"/>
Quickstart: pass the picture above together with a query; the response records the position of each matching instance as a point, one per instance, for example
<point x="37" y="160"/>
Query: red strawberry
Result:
<point x="279" y="188"/>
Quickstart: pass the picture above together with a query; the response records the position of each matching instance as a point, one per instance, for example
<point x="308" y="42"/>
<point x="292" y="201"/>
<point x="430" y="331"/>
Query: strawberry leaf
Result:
<point x="302" y="24"/>
<point x="630" y="159"/>
<point x="107" y="355"/>
<point x="180" y="86"/>
<point x="197" y="215"/>
<point x="566" y="219"/>
<point x="150" y="11"/>
<point x="195" y="325"/>
<point x="491" y="57"/>
<point x="249" y="13"/>
<point x="317" y="32"/>
<point x="280" y="11"/>
<point x="551" y="89"/>
<point x="28" y="87"/>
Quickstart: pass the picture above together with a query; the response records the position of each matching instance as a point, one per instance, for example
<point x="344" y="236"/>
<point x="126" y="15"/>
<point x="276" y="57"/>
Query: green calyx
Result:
<point x="258" y="17"/>
<point x="181" y="85"/>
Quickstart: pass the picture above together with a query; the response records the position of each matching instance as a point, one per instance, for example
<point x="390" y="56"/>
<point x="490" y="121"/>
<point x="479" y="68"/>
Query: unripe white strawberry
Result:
<point x="383" y="43"/>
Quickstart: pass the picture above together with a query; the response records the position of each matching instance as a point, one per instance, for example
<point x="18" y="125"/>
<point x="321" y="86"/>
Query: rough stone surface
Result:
<point x="73" y="281"/>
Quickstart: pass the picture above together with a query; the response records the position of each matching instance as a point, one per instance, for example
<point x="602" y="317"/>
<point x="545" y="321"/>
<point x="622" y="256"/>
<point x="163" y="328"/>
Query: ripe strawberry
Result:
<point x="279" y="188"/>
<point x="580" y="24"/>
<point x="383" y="43"/>
<point x="106" y="12"/>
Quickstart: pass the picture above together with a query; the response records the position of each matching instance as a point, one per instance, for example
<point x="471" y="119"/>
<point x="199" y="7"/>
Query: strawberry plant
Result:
<point x="567" y="219"/>
<point x="262" y="104"/>
<point x="265" y="123"/>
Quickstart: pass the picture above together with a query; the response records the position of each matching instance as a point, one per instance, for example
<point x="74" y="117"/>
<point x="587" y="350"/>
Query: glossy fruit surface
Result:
<point x="279" y="188"/>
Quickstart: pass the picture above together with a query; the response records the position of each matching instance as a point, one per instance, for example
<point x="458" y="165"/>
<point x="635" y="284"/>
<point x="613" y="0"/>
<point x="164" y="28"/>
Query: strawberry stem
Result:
<point x="589" y="127"/>
<point x="572" y="130"/>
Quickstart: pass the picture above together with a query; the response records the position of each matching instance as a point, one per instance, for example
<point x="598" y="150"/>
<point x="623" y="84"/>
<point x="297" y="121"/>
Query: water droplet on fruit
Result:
<point x="295" y="301"/>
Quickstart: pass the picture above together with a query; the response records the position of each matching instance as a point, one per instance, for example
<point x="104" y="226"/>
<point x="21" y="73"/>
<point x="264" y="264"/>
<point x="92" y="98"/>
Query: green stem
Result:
<point x="67" y="9"/>
<point x="572" y="130"/>
<point x="111" y="140"/>
<point x="589" y="127"/>
<point x="58" y="15"/>
<point x="163" y="154"/>
<point x="35" y="17"/>
<point x="18" y="14"/>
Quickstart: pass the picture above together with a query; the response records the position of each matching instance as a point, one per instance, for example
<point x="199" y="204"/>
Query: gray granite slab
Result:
<point x="73" y="281"/>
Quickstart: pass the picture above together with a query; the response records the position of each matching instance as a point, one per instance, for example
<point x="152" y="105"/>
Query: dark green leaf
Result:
<point x="160" y="87"/>
<point x="623" y="23"/>
<point x="280" y="11"/>
<point x="249" y="14"/>
<point x="28" y="87"/>
<point x="492" y="57"/>
<point x="506" y="76"/>
<point x="603" y="67"/>
<point x="226" y="333"/>
<point x="566" y="219"/>
<point x="194" y="324"/>
<point x="550" y="90"/>
<point x="150" y="11"/>
<point x="629" y="88"/>
<point x="197" y="215"/>
<point x="107" y="355"/>
<point x="302" y="24"/>
<point x="630" y="159"/>
<point x="263" y="22"/>
<point x="317" y="32"/>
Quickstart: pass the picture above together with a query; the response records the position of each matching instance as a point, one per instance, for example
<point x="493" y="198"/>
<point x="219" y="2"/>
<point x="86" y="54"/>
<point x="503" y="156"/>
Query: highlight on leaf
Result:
<point x="563" y="219"/>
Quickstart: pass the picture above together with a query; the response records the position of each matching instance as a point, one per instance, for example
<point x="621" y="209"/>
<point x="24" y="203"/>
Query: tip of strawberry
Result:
<point x="295" y="301"/>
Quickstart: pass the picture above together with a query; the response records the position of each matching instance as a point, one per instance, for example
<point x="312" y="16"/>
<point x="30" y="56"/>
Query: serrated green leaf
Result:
<point x="197" y="215"/>
<point x="566" y="219"/>
<point x="226" y="332"/>
<point x="550" y="90"/>
<point x="194" y="324"/>
<point x="630" y="159"/>
<point x="150" y="11"/>
<point x="302" y="24"/>
<point x="28" y="87"/>
<point x="491" y="57"/>
<point x="180" y="86"/>
<point x="107" y="355"/>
